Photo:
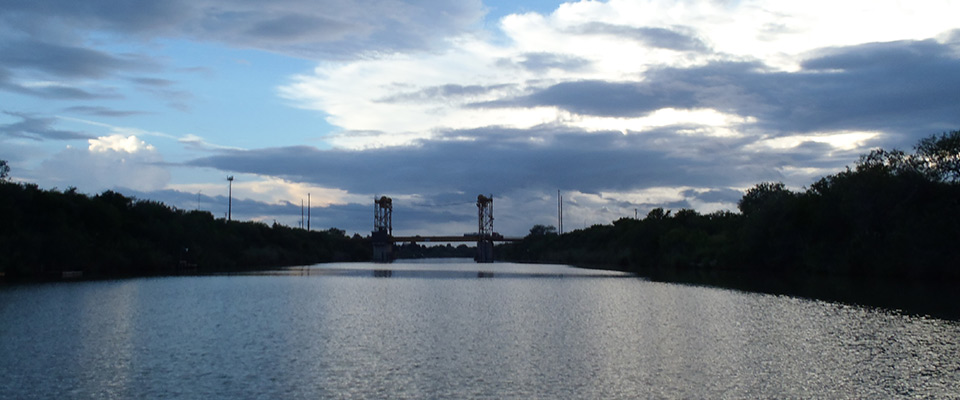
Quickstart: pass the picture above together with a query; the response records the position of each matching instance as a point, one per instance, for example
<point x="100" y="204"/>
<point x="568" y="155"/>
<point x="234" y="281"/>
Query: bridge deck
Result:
<point x="443" y="239"/>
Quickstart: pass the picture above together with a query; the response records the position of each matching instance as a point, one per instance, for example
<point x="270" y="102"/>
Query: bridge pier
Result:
<point x="382" y="247"/>
<point x="485" y="229"/>
<point x="484" y="251"/>
<point x="382" y="230"/>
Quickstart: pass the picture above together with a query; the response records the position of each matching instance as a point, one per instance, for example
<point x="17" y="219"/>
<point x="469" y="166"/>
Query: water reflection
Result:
<point x="457" y="331"/>
<point x="921" y="298"/>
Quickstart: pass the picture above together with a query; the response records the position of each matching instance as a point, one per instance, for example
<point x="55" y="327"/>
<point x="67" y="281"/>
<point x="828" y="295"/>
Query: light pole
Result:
<point x="230" y="198"/>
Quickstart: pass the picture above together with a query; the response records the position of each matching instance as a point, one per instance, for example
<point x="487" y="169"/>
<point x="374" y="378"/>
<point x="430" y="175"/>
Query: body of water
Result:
<point x="454" y="329"/>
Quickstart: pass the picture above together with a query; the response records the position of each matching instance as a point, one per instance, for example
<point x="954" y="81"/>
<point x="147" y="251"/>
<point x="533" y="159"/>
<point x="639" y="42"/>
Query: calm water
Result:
<point x="456" y="330"/>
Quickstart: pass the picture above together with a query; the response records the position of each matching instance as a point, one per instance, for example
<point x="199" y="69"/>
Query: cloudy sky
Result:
<point x="621" y="105"/>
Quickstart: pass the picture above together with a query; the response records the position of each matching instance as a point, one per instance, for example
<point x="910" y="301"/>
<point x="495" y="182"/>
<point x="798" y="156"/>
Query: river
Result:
<point x="455" y="329"/>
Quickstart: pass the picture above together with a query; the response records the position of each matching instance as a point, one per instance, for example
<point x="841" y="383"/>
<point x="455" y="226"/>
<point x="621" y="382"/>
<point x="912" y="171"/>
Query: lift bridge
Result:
<point x="383" y="239"/>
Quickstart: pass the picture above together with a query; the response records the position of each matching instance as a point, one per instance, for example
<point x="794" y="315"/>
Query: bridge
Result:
<point x="383" y="238"/>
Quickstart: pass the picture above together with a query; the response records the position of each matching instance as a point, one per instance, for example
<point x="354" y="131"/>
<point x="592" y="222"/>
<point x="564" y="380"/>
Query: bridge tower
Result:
<point x="382" y="229"/>
<point x="485" y="229"/>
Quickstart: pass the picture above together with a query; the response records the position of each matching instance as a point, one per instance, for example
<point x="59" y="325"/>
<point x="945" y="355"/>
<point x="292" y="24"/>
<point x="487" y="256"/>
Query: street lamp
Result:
<point x="230" y="198"/>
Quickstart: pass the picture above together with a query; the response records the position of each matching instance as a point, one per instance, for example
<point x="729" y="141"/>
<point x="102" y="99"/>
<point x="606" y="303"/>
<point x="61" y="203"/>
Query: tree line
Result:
<point x="894" y="214"/>
<point x="48" y="232"/>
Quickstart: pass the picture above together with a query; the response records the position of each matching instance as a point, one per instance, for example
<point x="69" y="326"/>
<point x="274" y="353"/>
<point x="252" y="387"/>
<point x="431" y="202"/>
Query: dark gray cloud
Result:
<point x="57" y="40"/>
<point x="595" y="97"/>
<point x="61" y="60"/>
<point x="293" y="28"/>
<point x="906" y="86"/>
<point x="38" y="128"/>
<point x="443" y="92"/>
<point x="518" y="166"/>
<point x="653" y="37"/>
<point x="503" y="160"/>
<point x="53" y="92"/>
<point x="153" y="82"/>
<point x="542" y="62"/>
<point x="102" y="111"/>
<point x="328" y="28"/>
<point x="113" y="15"/>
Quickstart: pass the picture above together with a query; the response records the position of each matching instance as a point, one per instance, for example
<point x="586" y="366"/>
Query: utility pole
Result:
<point x="230" y="198"/>
<point x="301" y="213"/>
<point x="308" y="211"/>
<point x="559" y="213"/>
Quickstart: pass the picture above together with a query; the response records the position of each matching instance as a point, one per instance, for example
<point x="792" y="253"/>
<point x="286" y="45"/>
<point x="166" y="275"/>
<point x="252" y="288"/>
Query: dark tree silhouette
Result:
<point x="4" y="170"/>
<point x="894" y="214"/>
<point x="46" y="232"/>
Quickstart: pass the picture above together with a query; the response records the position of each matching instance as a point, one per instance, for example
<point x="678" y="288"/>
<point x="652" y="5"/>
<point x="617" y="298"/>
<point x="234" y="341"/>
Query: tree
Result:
<point x="658" y="214"/>
<point x="763" y="195"/>
<point x="4" y="170"/>
<point x="938" y="157"/>
<point x="542" y="230"/>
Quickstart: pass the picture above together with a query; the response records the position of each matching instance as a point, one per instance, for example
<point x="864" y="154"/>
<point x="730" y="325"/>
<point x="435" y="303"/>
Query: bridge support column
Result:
<point x="485" y="229"/>
<point x="382" y="249"/>
<point x="382" y="230"/>
<point x="484" y="251"/>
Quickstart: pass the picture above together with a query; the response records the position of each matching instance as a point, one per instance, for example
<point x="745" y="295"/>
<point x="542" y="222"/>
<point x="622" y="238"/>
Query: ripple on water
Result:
<point x="449" y="331"/>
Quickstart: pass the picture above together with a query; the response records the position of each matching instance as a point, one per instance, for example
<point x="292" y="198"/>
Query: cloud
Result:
<point x="662" y="38"/>
<point x="102" y="111"/>
<point x="625" y="62"/>
<point x="153" y="82"/>
<point x="62" y="60"/>
<point x="723" y="195"/>
<point x="38" y="128"/>
<point x="903" y="85"/>
<point x="298" y="27"/>
<point x="353" y="217"/>
<point x="620" y="104"/>
<point x="108" y="162"/>
<point x="542" y="62"/>
<point x="52" y="90"/>
<point x="504" y="160"/>
<point x="443" y="92"/>
<point x="120" y="144"/>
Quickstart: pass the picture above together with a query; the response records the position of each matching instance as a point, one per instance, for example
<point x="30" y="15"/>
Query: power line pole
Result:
<point x="559" y="213"/>
<point x="308" y="211"/>
<point x="230" y="198"/>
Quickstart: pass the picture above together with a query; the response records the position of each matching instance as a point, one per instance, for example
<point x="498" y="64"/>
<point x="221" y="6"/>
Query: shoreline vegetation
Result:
<point x="890" y="221"/>
<point x="47" y="234"/>
<point x="881" y="233"/>
<point x="894" y="215"/>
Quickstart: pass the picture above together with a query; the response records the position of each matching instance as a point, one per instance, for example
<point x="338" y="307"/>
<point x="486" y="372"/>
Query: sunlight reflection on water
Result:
<point x="445" y="330"/>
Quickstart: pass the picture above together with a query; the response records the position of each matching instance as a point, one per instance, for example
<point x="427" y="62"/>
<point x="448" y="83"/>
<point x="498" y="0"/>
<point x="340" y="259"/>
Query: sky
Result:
<point x="621" y="106"/>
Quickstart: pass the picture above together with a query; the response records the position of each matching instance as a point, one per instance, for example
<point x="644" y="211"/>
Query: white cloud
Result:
<point x="275" y="191"/>
<point x="119" y="143"/>
<point x="838" y="140"/>
<point x="109" y="162"/>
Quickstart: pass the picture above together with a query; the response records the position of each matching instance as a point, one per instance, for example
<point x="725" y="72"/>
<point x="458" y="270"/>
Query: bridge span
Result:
<point x="449" y="239"/>
<point x="383" y="238"/>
